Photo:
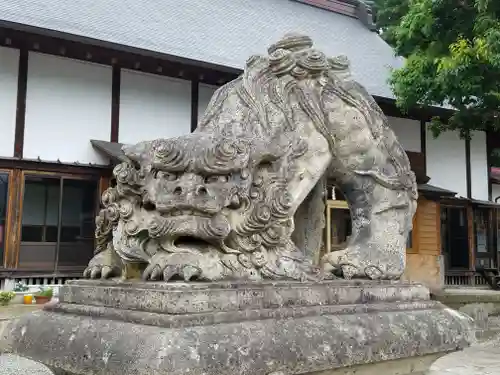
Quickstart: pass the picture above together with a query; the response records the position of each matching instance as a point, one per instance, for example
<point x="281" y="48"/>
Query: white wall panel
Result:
<point x="407" y="131"/>
<point x="9" y="67"/>
<point x="479" y="166"/>
<point x="68" y="103"/>
<point x="204" y="95"/>
<point x="153" y="106"/>
<point x="446" y="161"/>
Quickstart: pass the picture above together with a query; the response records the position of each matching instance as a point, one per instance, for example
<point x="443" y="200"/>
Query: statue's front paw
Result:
<point x="186" y="266"/>
<point x="104" y="265"/>
<point x="364" y="262"/>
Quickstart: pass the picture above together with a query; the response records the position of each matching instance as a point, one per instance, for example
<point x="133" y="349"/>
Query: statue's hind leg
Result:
<point x="381" y="220"/>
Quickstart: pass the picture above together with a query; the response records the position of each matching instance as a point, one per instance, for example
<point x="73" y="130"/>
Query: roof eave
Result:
<point x="117" y="47"/>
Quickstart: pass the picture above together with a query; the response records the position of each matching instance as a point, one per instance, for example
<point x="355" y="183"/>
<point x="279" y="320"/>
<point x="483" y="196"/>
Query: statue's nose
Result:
<point x="197" y="191"/>
<point x="201" y="191"/>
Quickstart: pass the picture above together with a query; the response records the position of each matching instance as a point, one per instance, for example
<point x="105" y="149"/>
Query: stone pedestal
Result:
<point x="334" y="327"/>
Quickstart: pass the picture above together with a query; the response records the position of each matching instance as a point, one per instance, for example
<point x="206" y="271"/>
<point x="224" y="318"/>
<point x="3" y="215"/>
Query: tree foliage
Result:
<point x="452" y="51"/>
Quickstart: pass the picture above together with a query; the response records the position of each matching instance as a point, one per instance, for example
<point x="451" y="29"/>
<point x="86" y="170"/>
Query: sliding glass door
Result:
<point x="57" y="222"/>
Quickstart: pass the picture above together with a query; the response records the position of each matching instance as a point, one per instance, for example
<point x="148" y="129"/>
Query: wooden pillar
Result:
<point x="115" y="103"/>
<point x="22" y="85"/>
<point x="15" y="207"/>
<point x="468" y="172"/>
<point x="423" y="143"/>
<point x="195" y="97"/>
<point x="472" y="240"/>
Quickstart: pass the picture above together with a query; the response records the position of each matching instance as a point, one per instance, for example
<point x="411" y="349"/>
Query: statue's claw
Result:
<point x="364" y="262"/>
<point x="106" y="272"/>
<point x="170" y="271"/>
<point x="104" y="265"/>
<point x="151" y="272"/>
<point x="156" y="274"/>
<point x="95" y="273"/>
<point x="187" y="265"/>
<point x="189" y="272"/>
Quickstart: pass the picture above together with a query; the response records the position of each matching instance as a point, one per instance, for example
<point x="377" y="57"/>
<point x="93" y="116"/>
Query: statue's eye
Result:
<point x="211" y="179"/>
<point x="166" y="176"/>
<point x="216" y="178"/>
<point x="170" y="176"/>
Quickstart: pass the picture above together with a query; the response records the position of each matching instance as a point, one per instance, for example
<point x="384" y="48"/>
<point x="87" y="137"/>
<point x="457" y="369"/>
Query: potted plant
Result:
<point x="20" y="289"/>
<point x="43" y="296"/>
<point x="6" y="297"/>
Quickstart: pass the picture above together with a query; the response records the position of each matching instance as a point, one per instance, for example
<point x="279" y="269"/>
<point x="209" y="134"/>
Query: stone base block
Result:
<point x="279" y="328"/>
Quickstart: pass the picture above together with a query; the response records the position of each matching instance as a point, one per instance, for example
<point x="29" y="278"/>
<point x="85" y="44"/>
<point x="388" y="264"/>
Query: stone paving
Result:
<point x="14" y="365"/>
<point x="13" y="311"/>
<point x="480" y="359"/>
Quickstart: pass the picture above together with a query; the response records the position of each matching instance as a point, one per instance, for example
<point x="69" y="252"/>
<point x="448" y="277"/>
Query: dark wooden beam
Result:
<point x="22" y="84"/>
<point x="468" y="168"/>
<point x="195" y="96"/>
<point x="390" y="108"/>
<point x="34" y="165"/>
<point x="115" y="104"/>
<point x="124" y="57"/>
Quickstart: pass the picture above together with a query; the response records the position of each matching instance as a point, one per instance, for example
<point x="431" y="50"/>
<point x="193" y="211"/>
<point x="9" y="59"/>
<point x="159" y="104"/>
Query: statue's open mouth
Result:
<point x="189" y="227"/>
<point x="167" y="210"/>
<point x="191" y="242"/>
<point x="188" y="212"/>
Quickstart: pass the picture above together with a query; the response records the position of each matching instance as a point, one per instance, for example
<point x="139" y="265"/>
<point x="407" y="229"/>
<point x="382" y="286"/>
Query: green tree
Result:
<point x="452" y="52"/>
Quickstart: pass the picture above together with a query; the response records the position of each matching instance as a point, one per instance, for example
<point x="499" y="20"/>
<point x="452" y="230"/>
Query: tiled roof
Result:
<point x="221" y="32"/>
<point x="427" y="188"/>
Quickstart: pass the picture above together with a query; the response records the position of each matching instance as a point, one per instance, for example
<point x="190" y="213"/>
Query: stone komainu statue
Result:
<point x="219" y="203"/>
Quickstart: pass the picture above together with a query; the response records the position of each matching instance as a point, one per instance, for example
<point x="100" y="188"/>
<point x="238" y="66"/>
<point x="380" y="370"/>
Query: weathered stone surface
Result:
<point x="309" y="328"/>
<point x="186" y="298"/>
<point x="219" y="203"/>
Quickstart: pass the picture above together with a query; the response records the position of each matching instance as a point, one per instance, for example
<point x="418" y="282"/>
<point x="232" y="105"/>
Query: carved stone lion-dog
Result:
<point x="220" y="203"/>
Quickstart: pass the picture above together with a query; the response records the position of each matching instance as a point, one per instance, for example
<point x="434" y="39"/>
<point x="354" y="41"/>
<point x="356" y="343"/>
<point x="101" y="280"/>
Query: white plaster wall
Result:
<point x="407" y="131"/>
<point x="9" y="67"/>
<point x="68" y="103"/>
<point x="495" y="191"/>
<point x="446" y="161"/>
<point x="479" y="166"/>
<point x="153" y="106"/>
<point x="205" y="93"/>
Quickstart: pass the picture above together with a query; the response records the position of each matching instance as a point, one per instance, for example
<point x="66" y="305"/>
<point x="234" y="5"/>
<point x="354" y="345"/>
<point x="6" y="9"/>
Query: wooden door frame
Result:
<point x="7" y="238"/>
<point x="15" y="206"/>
